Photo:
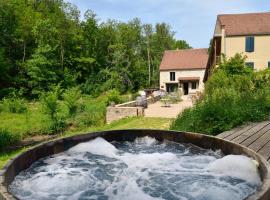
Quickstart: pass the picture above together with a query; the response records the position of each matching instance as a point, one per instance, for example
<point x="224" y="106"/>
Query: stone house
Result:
<point x="248" y="34"/>
<point x="183" y="70"/>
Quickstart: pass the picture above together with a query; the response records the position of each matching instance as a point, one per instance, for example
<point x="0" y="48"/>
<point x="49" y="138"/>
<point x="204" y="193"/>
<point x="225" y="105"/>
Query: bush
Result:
<point x="14" y="105"/>
<point x="73" y="101"/>
<point x="233" y="95"/>
<point x="7" y="138"/>
<point x="51" y="107"/>
<point x="94" y="115"/>
<point x="113" y="96"/>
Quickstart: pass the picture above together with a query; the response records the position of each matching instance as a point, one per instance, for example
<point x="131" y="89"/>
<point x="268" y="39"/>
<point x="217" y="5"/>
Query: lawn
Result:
<point x="128" y="123"/>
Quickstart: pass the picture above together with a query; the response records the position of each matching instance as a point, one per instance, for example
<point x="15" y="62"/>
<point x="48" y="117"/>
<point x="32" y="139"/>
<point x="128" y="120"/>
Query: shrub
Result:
<point x="7" y="138"/>
<point x="14" y="105"/>
<point x="94" y="115"/>
<point x="233" y="95"/>
<point x="73" y="101"/>
<point x="113" y="96"/>
<point x="51" y="107"/>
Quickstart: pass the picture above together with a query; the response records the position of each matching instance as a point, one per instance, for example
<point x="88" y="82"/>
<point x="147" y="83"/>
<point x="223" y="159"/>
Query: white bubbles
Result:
<point x="97" y="146"/>
<point x="237" y="166"/>
<point x="143" y="170"/>
<point x="145" y="140"/>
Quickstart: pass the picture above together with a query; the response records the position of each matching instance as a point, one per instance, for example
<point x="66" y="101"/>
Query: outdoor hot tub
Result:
<point x="137" y="164"/>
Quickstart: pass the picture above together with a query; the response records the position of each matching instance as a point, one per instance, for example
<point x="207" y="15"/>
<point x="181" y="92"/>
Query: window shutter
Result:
<point x="249" y="44"/>
<point x="269" y="64"/>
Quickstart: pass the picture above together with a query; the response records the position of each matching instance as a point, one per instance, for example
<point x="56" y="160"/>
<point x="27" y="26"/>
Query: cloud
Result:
<point x="193" y="20"/>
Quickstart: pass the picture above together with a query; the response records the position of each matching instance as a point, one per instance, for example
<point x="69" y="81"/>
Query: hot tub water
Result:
<point x="141" y="170"/>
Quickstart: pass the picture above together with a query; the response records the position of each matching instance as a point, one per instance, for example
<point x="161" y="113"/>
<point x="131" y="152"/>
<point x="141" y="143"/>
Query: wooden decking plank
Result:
<point x="265" y="150"/>
<point x="254" y="137"/>
<point x="239" y="132"/>
<point x="226" y="133"/>
<point x="230" y="132"/>
<point x="250" y="132"/>
<point x="260" y="142"/>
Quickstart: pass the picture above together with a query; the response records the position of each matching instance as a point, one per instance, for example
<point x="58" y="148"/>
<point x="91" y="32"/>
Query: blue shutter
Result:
<point x="249" y="44"/>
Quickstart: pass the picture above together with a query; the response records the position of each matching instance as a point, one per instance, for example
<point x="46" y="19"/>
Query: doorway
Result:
<point x="171" y="87"/>
<point x="185" y="87"/>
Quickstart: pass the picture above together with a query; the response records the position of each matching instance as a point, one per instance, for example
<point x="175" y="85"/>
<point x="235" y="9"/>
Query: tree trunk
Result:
<point x="149" y="66"/>
<point x="24" y="51"/>
<point x="62" y="56"/>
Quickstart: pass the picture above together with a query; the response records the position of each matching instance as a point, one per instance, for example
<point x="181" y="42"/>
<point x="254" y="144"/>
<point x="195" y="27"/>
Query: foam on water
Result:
<point x="144" y="169"/>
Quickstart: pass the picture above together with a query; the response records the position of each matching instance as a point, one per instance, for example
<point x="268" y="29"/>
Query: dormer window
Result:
<point x="250" y="44"/>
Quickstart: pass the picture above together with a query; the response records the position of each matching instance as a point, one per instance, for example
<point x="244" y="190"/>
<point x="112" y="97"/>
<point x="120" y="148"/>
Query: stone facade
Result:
<point x="165" y="79"/>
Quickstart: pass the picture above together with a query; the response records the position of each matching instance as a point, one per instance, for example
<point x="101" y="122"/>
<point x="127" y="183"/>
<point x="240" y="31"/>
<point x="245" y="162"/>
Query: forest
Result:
<point x="48" y="43"/>
<point x="60" y="68"/>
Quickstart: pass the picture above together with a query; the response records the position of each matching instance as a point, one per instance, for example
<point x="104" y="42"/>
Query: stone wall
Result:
<point x="127" y="109"/>
<point x="116" y="113"/>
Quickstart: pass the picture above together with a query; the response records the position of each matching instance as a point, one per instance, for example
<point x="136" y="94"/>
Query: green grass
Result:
<point x="128" y="123"/>
<point x="6" y="156"/>
<point x="30" y="123"/>
<point x="142" y="123"/>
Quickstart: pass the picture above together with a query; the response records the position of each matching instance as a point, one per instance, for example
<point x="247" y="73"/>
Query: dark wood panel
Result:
<point x="253" y="131"/>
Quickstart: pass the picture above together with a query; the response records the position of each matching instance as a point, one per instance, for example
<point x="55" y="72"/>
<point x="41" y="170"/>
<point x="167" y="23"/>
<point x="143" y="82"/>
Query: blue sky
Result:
<point x="192" y="20"/>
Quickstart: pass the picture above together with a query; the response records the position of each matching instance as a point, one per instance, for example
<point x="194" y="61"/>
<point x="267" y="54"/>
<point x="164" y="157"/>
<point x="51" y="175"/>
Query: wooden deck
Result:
<point x="255" y="136"/>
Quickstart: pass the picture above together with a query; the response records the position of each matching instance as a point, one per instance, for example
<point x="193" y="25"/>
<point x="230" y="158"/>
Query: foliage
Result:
<point x="113" y="96"/>
<point x="7" y="138"/>
<point x="14" y="105"/>
<point x="51" y="107"/>
<point x="73" y="100"/>
<point x="233" y="95"/>
<point x="44" y="43"/>
<point x="235" y="65"/>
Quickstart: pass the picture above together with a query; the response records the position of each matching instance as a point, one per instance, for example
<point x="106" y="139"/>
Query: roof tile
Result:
<point x="184" y="59"/>
<point x="246" y="24"/>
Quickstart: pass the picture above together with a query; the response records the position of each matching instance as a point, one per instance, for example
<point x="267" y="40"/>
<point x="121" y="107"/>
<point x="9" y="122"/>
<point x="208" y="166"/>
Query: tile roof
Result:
<point x="245" y="24"/>
<point x="184" y="59"/>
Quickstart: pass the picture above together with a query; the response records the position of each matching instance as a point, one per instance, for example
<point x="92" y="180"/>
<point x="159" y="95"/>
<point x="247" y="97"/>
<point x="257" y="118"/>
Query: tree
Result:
<point x="44" y="43"/>
<point x="148" y="31"/>
<point x="181" y="44"/>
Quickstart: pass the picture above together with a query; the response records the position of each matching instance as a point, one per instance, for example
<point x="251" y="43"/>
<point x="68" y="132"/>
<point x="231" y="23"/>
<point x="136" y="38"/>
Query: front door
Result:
<point x="185" y="87"/>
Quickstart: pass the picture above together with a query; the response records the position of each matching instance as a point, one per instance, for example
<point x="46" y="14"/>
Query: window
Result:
<point x="250" y="64"/>
<point x="193" y="85"/>
<point x="172" y="76"/>
<point x="250" y="44"/>
<point x="269" y="64"/>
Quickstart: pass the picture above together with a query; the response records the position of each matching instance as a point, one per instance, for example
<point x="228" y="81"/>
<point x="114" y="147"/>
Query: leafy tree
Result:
<point x="181" y="44"/>
<point x="44" y="43"/>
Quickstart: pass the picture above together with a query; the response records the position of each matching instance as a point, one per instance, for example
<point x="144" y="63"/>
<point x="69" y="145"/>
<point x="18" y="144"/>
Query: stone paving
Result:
<point x="159" y="110"/>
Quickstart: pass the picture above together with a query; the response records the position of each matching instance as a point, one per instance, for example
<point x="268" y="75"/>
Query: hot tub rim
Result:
<point x="263" y="193"/>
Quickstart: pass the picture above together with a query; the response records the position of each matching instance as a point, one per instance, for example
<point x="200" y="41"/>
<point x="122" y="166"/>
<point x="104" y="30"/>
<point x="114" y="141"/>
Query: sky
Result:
<point x="192" y="20"/>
